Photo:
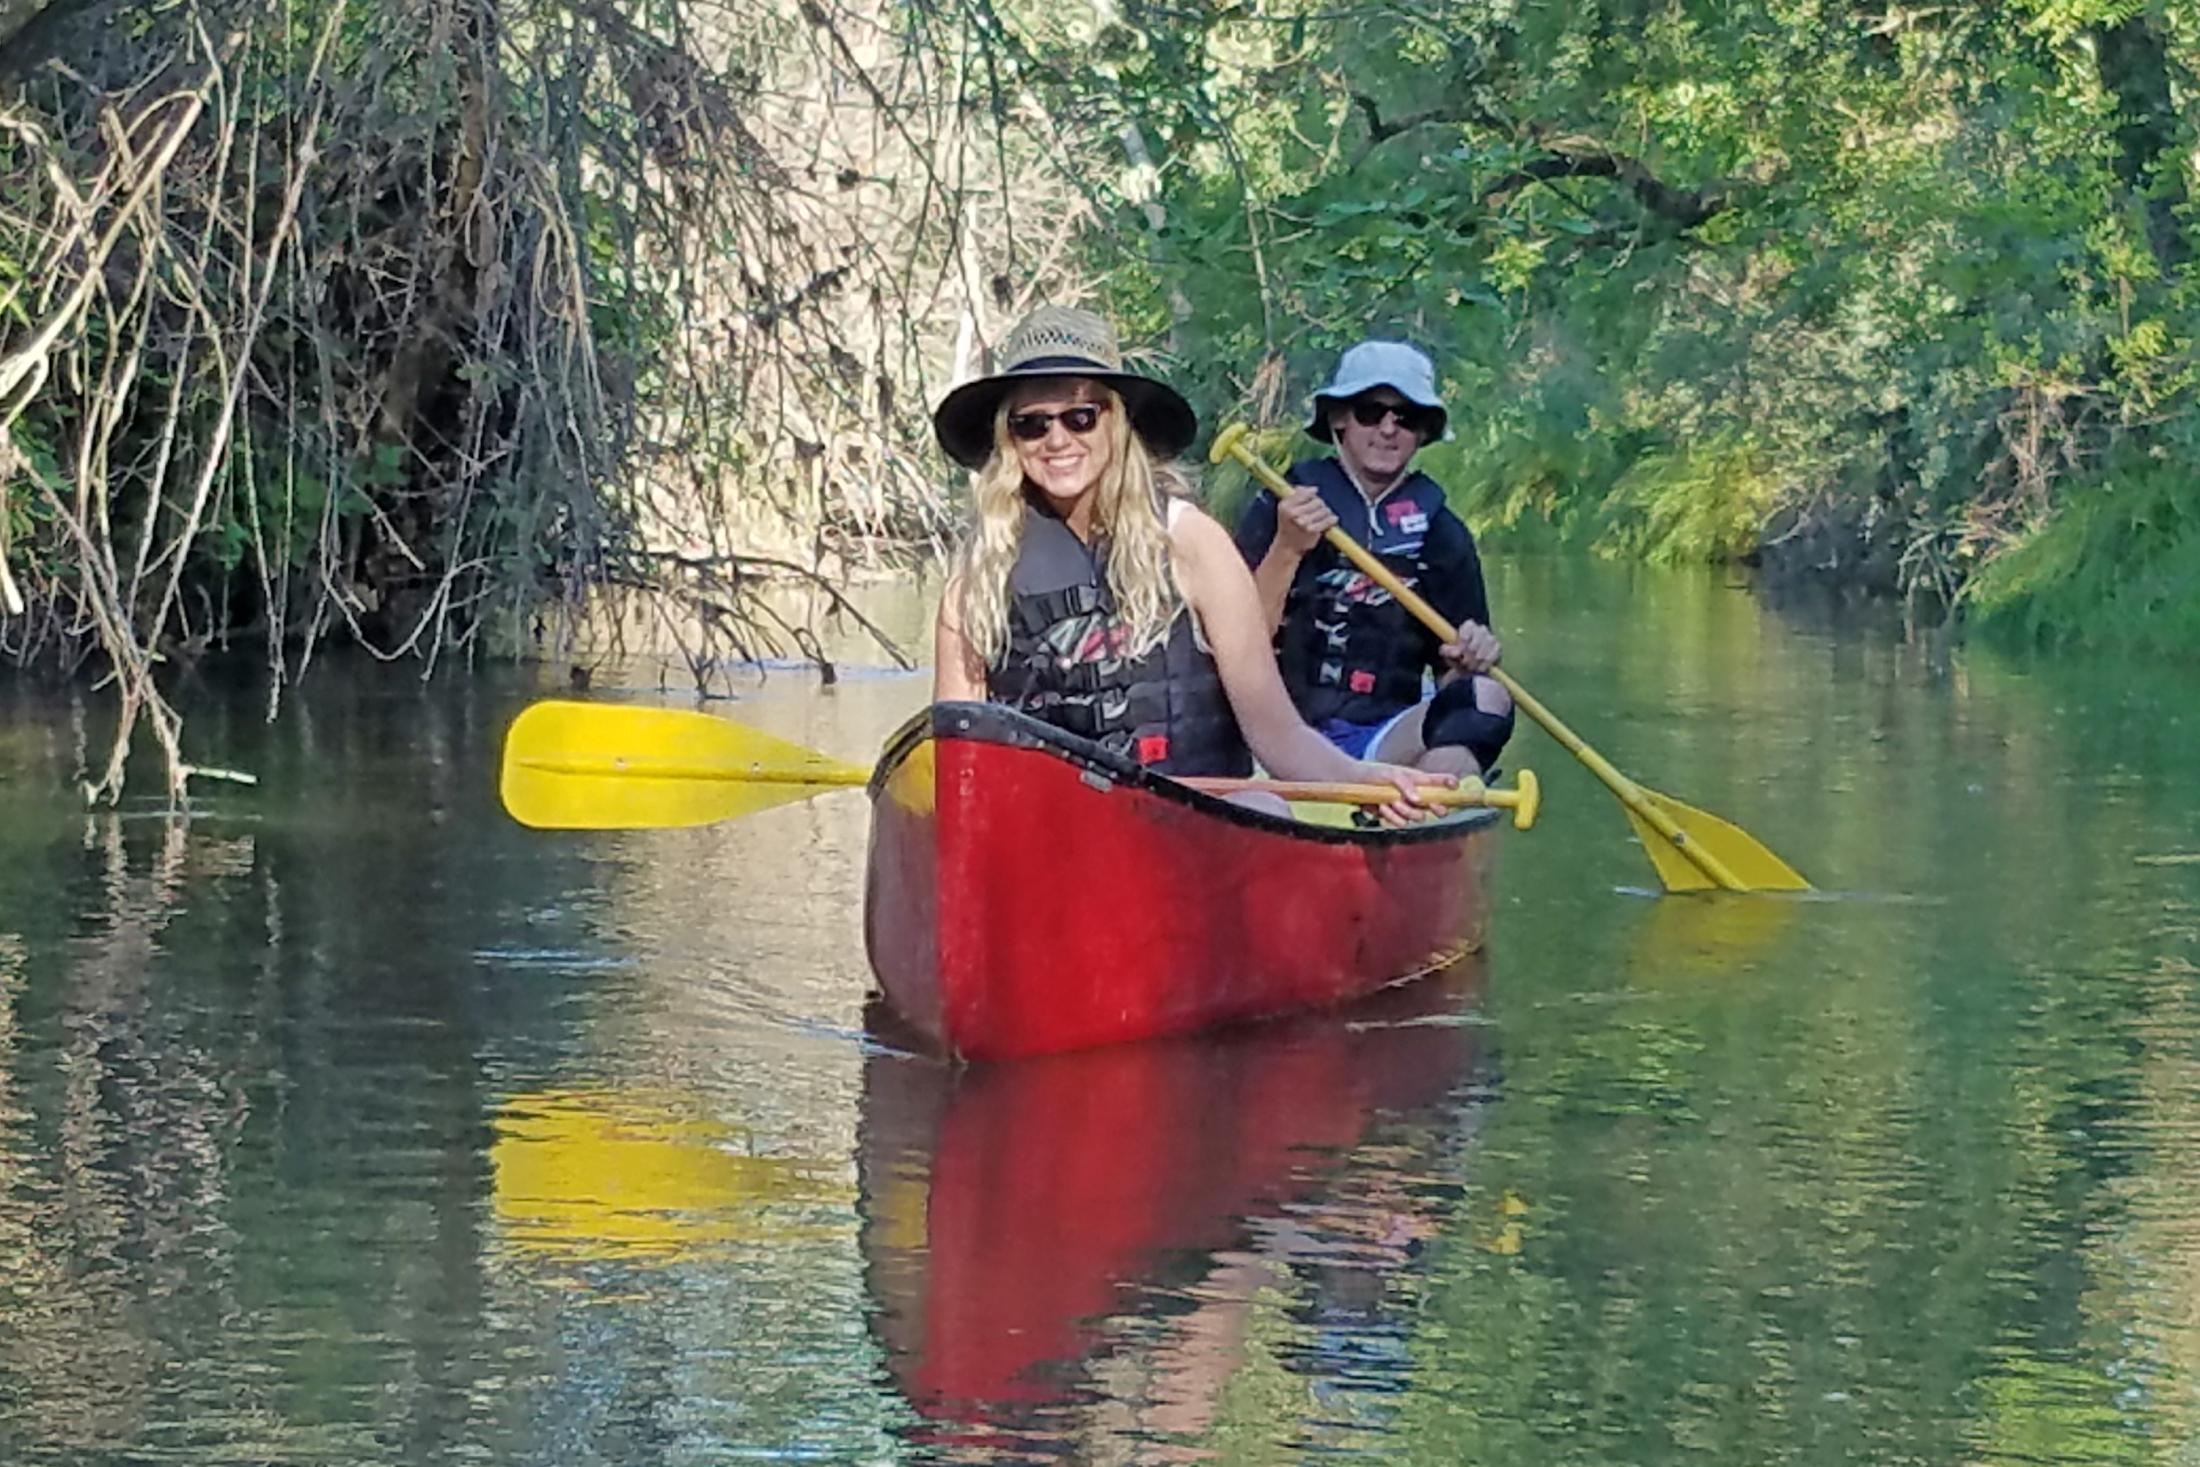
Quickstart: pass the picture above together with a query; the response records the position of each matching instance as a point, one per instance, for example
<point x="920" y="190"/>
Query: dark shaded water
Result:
<point x="351" y="1123"/>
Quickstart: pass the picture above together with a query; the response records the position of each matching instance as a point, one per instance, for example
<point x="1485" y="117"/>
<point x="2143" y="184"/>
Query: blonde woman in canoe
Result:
<point x="1091" y="593"/>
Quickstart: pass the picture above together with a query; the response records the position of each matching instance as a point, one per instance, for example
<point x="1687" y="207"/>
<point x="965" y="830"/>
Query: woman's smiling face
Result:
<point x="1062" y="464"/>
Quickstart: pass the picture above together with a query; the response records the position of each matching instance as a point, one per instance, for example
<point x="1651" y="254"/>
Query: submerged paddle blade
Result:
<point x="609" y="766"/>
<point x="1756" y="868"/>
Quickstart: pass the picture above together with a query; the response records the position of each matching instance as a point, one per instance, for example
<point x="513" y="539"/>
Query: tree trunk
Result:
<point x="31" y="30"/>
<point x="2134" y="67"/>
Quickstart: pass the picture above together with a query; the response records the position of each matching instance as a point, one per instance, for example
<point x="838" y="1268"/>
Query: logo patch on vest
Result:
<point x="1406" y="518"/>
<point x="1153" y="748"/>
<point x="1362" y="681"/>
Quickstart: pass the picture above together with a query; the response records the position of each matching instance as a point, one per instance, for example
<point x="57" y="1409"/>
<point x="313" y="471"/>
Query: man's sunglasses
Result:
<point x="1370" y="413"/>
<point x="1031" y="427"/>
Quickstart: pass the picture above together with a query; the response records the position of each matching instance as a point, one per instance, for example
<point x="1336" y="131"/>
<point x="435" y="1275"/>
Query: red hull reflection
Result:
<point x="1011" y="1209"/>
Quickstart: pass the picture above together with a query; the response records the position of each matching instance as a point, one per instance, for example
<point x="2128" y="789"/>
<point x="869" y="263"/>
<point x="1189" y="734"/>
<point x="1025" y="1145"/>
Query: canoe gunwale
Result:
<point x="996" y="723"/>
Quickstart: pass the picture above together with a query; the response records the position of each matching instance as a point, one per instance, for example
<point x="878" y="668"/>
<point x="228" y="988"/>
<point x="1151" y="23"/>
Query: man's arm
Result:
<point x="1274" y="536"/>
<point x="1466" y="598"/>
<point x="1462" y="598"/>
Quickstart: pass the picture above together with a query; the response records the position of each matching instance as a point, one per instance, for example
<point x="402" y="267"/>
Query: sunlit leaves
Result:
<point x="1844" y="236"/>
<point x="1513" y="261"/>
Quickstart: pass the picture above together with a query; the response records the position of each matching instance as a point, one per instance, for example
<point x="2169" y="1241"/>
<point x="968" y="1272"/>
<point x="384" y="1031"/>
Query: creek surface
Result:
<point x="348" y="1122"/>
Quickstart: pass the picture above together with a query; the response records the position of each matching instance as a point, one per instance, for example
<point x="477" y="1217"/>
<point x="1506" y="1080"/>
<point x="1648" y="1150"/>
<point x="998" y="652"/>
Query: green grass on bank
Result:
<point x="2118" y="565"/>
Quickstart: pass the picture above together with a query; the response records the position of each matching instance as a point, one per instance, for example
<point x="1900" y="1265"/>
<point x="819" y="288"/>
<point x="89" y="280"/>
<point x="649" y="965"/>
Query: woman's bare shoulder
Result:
<point x="1192" y="529"/>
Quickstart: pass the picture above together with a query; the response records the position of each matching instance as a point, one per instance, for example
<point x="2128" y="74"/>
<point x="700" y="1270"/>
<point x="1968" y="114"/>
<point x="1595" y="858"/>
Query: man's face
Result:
<point x="1376" y="451"/>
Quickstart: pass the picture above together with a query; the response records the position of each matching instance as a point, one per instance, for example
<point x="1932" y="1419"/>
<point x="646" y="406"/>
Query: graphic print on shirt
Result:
<point x="1340" y="590"/>
<point x="1344" y="587"/>
<point x="1095" y="640"/>
<point x="1347" y="585"/>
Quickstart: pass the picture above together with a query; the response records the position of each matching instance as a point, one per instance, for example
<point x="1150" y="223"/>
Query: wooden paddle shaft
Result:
<point x="1233" y="445"/>
<point x="1320" y="792"/>
<point x="1523" y="802"/>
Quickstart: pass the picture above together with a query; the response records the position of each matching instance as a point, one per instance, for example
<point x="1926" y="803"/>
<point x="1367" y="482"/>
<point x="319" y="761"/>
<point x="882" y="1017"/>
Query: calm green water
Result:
<point x="350" y="1123"/>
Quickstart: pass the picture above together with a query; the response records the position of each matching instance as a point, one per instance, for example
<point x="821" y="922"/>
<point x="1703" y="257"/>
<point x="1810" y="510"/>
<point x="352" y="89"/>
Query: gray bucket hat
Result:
<point x="1060" y="341"/>
<point x="1403" y="369"/>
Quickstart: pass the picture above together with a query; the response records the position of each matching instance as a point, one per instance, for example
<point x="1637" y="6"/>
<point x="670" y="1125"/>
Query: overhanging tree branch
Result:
<point x="1681" y="207"/>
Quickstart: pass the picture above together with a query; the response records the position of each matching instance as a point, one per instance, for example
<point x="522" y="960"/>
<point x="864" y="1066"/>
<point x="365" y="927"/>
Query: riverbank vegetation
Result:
<point x="423" y="324"/>
<point x="419" y="325"/>
<point x="1903" y="296"/>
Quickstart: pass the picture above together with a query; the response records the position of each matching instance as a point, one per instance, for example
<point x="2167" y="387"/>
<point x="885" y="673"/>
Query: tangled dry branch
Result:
<point x="416" y="326"/>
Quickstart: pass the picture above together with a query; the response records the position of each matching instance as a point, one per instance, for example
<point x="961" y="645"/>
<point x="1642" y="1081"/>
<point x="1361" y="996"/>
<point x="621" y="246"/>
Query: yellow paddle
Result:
<point x="614" y="766"/>
<point x="1524" y="801"/>
<point x="1692" y="849"/>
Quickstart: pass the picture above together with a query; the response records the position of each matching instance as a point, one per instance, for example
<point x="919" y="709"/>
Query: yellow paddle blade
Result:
<point x="1754" y="867"/>
<point x="609" y="766"/>
<point x="561" y="801"/>
<point x="914" y="783"/>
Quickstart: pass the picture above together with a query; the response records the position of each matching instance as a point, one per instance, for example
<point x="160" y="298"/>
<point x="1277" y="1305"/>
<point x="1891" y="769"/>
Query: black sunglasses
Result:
<point x="1031" y="427"/>
<point x="1370" y="413"/>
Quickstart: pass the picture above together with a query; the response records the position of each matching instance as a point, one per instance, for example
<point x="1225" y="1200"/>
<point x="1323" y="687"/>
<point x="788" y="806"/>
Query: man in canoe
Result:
<point x="1091" y="593"/>
<point x="1353" y="658"/>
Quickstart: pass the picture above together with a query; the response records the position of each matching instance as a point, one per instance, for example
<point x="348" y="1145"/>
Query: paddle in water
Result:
<point x="617" y="766"/>
<point x="1692" y="849"/>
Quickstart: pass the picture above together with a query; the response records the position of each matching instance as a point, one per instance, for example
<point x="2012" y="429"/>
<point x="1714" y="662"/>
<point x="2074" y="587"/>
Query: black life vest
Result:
<point x="1346" y="648"/>
<point x="1165" y="710"/>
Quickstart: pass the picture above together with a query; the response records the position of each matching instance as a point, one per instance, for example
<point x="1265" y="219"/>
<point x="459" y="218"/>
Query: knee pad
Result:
<point x="1452" y="718"/>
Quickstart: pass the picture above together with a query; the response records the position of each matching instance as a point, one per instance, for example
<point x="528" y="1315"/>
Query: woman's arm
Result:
<point x="957" y="673"/>
<point x="1221" y="592"/>
<point x="1272" y="583"/>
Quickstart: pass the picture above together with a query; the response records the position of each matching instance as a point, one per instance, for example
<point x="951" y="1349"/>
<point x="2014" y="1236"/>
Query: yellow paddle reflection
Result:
<point x="619" y="1174"/>
<point x="1690" y="943"/>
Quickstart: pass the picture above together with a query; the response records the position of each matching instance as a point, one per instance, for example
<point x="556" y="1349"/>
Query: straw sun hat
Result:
<point x="1059" y="341"/>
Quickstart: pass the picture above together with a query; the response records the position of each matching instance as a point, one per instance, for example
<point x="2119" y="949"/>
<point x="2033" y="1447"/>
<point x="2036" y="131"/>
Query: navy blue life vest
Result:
<point x="1346" y="648"/>
<point x="1165" y="710"/>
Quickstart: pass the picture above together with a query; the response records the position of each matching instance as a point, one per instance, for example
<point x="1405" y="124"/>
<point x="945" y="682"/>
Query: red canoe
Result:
<point x="1029" y="893"/>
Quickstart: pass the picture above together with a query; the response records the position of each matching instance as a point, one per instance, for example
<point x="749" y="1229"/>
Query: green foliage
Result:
<point x="2120" y="564"/>
<point x="1530" y="486"/>
<point x="1694" y="269"/>
<point x="1704" y="502"/>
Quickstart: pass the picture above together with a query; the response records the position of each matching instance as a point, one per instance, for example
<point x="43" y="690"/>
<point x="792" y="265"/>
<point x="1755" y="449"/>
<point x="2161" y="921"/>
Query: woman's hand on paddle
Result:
<point x="1476" y="649"/>
<point x="1410" y="806"/>
<point x="1301" y="519"/>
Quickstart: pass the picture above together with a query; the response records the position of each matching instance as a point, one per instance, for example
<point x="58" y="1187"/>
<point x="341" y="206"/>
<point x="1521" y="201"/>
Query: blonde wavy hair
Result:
<point x="1128" y="509"/>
